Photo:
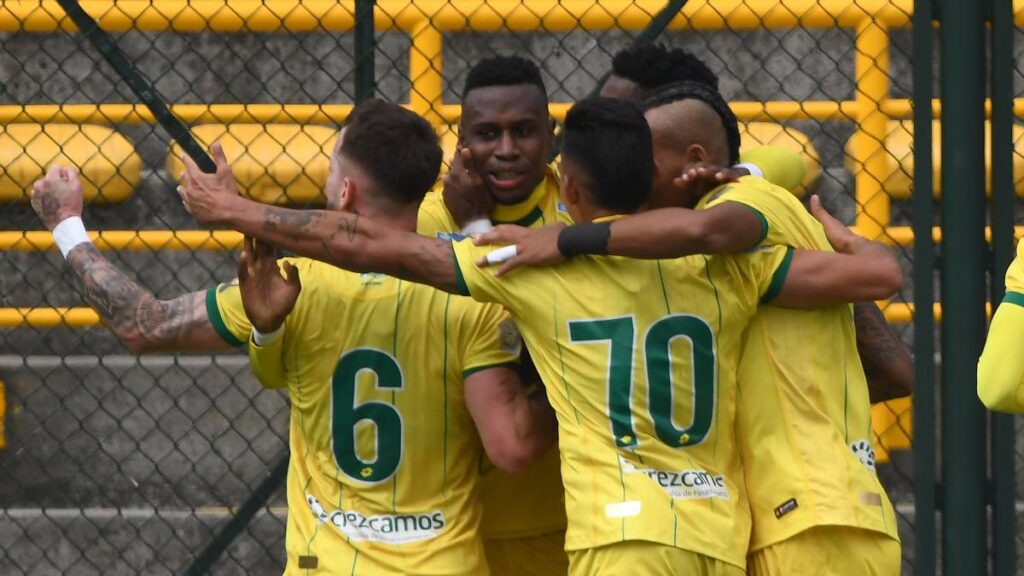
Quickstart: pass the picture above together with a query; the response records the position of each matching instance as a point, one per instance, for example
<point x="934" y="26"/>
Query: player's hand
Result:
<point x="203" y="194"/>
<point x="699" y="179"/>
<point x="267" y="296"/>
<point x="533" y="246"/>
<point x="57" y="196"/>
<point x="841" y="238"/>
<point x="465" y="194"/>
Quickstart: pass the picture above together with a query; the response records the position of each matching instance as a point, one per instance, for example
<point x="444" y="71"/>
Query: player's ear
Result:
<point x="347" y="195"/>
<point x="695" y="153"/>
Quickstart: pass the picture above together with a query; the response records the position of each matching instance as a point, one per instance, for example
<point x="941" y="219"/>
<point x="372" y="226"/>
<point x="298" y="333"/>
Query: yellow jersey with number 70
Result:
<point x="639" y="358"/>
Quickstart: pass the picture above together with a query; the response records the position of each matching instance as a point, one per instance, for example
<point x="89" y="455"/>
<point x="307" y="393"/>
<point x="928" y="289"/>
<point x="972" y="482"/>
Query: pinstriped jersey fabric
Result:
<point x="383" y="477"/>
<point x="639" y="358"/>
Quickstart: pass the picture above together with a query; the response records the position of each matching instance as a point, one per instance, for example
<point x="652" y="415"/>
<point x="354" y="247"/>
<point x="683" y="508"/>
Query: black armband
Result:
<point x="590" y="238"/>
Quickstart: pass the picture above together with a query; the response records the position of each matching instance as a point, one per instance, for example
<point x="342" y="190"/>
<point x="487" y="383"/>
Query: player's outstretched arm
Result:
<point x="887" y="363"/>
<point x="1001" y="366"/>
<point x="338" y="238"/>
<point x="516" y="428"/>
<point x="664" y="233"/>
<point x="859" y="270"/>
<point x="140" y="320"/>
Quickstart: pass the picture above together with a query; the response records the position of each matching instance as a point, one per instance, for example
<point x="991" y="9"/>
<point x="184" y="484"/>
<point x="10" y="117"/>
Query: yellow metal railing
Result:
<point x="425" y="21"/>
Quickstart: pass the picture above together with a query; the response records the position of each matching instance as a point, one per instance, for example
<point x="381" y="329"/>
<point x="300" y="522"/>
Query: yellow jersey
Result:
<point x="1015" y="278"/>
<point x="639" y="358"/>
<point x="383" y="477"/>
<point x="527" y="504"/>
<point x="804" y="417"/>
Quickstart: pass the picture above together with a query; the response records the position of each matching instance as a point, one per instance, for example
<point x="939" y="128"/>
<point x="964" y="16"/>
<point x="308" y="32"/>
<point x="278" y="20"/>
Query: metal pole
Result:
<point x="924" y="296"/>
<point x="963" y="286"/>
<point x="366" y="47"/>
<point x="1004" y="537"/>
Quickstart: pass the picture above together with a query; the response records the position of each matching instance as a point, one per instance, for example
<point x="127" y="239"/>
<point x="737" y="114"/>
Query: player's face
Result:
<point x="621" y="89"/>
<point x="509" y="132"/>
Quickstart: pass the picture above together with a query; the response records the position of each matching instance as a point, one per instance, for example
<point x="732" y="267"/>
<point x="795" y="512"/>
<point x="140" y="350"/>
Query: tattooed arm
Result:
<point x="887" y="363"/>
<point x="338" y="238"/>
<point x="141" y="322"/>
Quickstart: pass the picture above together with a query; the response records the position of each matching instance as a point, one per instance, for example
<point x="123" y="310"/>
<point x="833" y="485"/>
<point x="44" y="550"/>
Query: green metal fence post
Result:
<point x="1004" y="536"/>
<point x="963" y="286"/>
<point x="924" y="296"/>
<point x="366" y="46"/>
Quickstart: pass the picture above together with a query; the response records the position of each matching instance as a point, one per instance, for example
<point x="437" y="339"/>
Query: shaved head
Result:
<point x="681" y="124"/>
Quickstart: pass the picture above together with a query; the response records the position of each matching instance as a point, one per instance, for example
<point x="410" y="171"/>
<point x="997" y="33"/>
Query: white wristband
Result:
<point x="501" y="254"/>
<point x="478" y="226"/>
<point x="752" y="168"/>
<point x="261" y="339"/>
<point x="70" y="232"/>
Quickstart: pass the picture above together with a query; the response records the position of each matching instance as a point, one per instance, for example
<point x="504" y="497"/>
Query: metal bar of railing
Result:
<point x="963" y="293"/>
<point x="1002" y="437"/>
<point x="925" y="535"/>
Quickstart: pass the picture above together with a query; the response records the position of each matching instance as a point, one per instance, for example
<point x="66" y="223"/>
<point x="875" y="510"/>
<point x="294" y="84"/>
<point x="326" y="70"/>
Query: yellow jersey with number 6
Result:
<point x="639" y="358"/>
<point x="383" y="477"/>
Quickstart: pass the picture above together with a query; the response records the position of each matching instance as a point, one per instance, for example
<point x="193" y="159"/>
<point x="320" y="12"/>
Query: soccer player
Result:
<point x="1001" y="367"/>
<point x="384" y="428"/>
<point x="651" y="473"/>
<point x="507" y="136"/>
<point x="804" y="421"/>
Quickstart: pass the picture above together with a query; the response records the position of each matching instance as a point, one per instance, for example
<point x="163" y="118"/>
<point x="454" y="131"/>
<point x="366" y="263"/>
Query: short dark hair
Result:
<point x="687" y="90"/>
<point x="651" y="66"/>
<point x="610" y="141"/>
<point x="503" y="71"/>
<point x="395" y="146"/>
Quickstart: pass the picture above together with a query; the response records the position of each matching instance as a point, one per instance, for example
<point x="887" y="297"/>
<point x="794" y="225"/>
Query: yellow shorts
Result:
<point x="648" y="559"/>
<point x="542" y="555"/>
<point x="829" y="551"/>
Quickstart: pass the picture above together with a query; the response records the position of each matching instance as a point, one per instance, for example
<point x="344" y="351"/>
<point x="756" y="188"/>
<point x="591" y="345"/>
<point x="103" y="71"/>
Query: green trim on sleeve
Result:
<point x="460" y="281"/>
<point x="213" y="312"/>
<point x="779" y="278"/>
<point x="764" y="223"/>
<point x="470" y="371"/>
<point x="1014" y="298"/>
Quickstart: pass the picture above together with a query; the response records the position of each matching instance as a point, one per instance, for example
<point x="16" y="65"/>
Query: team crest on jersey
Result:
<point x="371" y="278"/>
<point x="865" y="453"/>
<point x="509" y="338"/>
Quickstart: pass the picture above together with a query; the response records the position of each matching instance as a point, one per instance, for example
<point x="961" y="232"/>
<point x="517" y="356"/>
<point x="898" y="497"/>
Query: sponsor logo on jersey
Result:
<point x="865" y="453"/>
<point x="383" y="528"/>
<point x="693" y="484"/>
<point x="786" y="507"/>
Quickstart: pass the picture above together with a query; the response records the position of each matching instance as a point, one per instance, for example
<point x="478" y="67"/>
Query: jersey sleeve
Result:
<point x="1001" y="366"/>
<point x="224" y="307"/>
<point x="488" y="337"/>
<point x="780" y="166"/>
<point x="767" y="268"/>
<point x="480" y="282"/>
<point x="784" y="219"/>
<point x="1015" y="278"/>
<point x="267" y="363"/>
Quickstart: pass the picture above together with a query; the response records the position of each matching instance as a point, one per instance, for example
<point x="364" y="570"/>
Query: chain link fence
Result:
<point x="115" y="464"/>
